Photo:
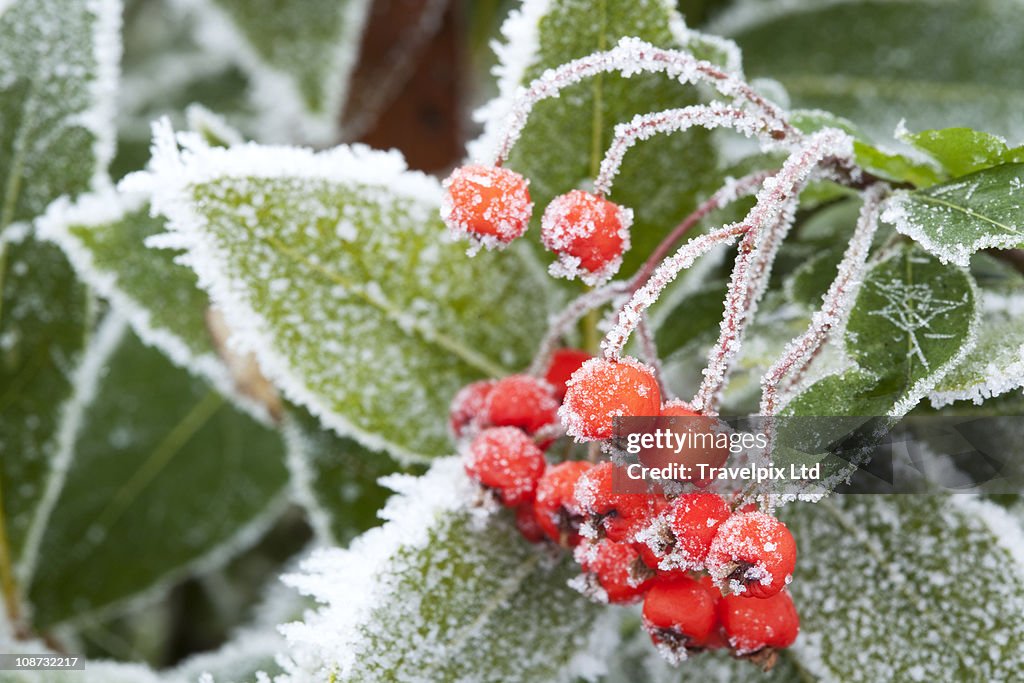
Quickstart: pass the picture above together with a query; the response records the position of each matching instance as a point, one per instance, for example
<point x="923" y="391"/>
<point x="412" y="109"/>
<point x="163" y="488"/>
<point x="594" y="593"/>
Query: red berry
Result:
<point x="467" y="406"/>
<point x="563" y="363"/>
<point x="521" y="401"/>
<point x="604" y="389"/>
<point x="694" y="519"/>
<point x="753" y="554"/>
<point x="526" y="522"/>
<point x="506" y="460"/>
<point x="679" y="613"/>
<point x="616" y="568"/>
<point x="589" y="234"/>
<point x="691" y="457"/>
<point x="618" y="515"/>
<point x="489" y="204"/>
<point x="752" y="625"/>
<point x="557" y="512"/>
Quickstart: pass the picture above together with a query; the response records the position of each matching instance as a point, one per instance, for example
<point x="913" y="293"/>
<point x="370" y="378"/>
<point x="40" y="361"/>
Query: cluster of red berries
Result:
<point x="491" y="206"/>
<point x="709" y="576"/>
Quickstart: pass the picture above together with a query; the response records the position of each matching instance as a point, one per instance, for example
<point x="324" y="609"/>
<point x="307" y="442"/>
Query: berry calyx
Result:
<point x="564" y="362"/>
<point x="520" y="401"/>
<point x="613" y="572"/>
<point x="589" y="234"/>
<point x="753" y="554"/>
<point x="526" y="523"/>
<point x="604" y="389"/>
<point x="616" y="516"/>
<point x="694" y="520"/>
<point x="505" y="460"/>
<point x="488" y="204"/>
<point x="467" y="406"/>
<point x="555" y="506"/>
<point x="752" y="626"/>
<point x="680" y="615"/>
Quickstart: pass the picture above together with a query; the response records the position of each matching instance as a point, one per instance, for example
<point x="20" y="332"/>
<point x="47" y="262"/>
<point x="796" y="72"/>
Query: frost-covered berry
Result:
<point x="752" y="625"/>
<point x="505" y="460"/>
<point x="564" y="362"/>
<point x="488" y="204"/>
<point x="604" y="389"/>
<point x="712" y="457"/>
<point x="589" y="234"/>
<point x="694" y="519"/>
<point x="613" y="572"/>
<point x="753" y="555"/>
<point x="521" y="401"/>
<point x="680" y="615"/>
<point x="467" y="406"/>
<point x="526" y="523"/>
<point x="616" y="516"/>
<point x="555" y="506"/>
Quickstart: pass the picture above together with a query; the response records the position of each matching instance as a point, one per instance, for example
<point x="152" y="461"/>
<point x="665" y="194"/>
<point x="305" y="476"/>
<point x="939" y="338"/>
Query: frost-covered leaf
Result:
<point x="43" y="325"/>
<point x="885" y="585"/>
<point x="996" y="363"/>
<point x="299" y="55"/>
<point x="565" y="139"/>
<point x="334" y="478"/>
<point x="58" y="75"/>
<point x="962" y="151"/>
<point x="936" y="64"/>
<point x="955" y="219"/>
<point x="335" y="268"/>
<point x="440" y="594"/>
<point x="166" y="477"/>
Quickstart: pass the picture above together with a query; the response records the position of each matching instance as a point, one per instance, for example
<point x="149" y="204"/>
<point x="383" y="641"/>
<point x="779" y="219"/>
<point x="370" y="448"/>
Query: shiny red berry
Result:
<point x="614" y="571"/>
<point x="505" y="460"/>
<point x="467" y="406"/>
<point x="604" y="389"/>
<point x="555" y="506"/>
<point x="526" y="523"/>
<point x="488" y="204"/>
<point x="618" y="516"/>
<point x="753" y="625"/>
<point x="753" y="554"/>
<point x="588" y="233"/>
<point x="679" y="614"/>
<point x="564" y="362"/>
<point x="694" y="519"/>
<point x="520" y="401"/>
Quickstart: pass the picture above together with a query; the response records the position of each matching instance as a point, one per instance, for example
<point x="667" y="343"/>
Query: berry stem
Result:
<point x="629" y="57"/>
<point x="649" y="353"/>
<point x="765" y="226"/>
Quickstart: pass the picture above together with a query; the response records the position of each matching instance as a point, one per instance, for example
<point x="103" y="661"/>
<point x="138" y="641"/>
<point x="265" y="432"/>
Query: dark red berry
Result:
<point x="555" y="506"/>
<point x="488" y="204"/>
<point x="521" y="401"/>
<point x="679" y="613"/>
<point x="753" y="625"/>
<point x="616" y="568"/>
<point x="564" y="362"/>
<point x="467" y="406"/>
<point x="507" y="461"/>
<point x="694" y="519"/>
<point x="618" y="516"/>
<point x="589" y="234"/>
<point x="604" y="389"/>
<point x="753" y="554"/>
<point x="526" y="522"/>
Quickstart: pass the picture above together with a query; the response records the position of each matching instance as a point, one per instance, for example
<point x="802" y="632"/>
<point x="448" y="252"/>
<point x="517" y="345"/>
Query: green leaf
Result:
<point x="43" y="323"/>
<point x="936" y="64"/>
<point x="336" y="478"/>
<point x="566" y="137"/>
<point x="953" y="220"/>
<point x="996" y="363"/>
<point x="299" y="55"/>
<point x="161" y="483"/>
<point x="962" y="151"/>
<point x="885" y="582"/>
<point x="59" y="64"/>
<point x="440" y="594"/>
<point x="335" y="268"/>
